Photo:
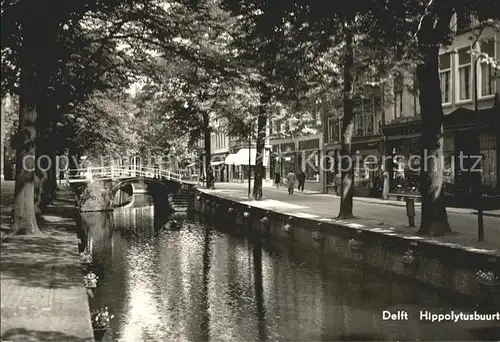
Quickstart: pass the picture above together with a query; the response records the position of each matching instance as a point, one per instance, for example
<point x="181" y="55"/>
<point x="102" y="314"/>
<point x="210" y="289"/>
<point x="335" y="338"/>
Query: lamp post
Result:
<point x="480" y="222"/>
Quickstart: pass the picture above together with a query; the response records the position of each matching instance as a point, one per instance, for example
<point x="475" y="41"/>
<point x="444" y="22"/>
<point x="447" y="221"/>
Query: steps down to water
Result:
<point x="183" y="201"/>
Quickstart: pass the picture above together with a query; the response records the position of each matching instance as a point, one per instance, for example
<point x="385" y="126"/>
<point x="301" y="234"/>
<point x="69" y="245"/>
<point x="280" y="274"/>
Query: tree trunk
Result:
<point x="346" y="162"/>
<point x="260" y="148"/>
<point x="207" y="146"/>
<point x="434" y="220"/>
<point x="24" y="206"/>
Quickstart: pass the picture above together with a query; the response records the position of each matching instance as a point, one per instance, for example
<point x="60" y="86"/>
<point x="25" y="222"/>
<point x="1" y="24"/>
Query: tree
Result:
<point x="34" y="38"/>
<point x="274" y="44"/>
<point x="433" y="32"/>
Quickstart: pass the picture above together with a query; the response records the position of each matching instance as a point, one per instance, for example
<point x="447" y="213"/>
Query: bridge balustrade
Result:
<point x="114" y="172"/>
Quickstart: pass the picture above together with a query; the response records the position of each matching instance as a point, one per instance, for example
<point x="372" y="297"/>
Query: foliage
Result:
<point x="85" y="258"/>
<point x="83" y="193"/>
<point x="101" y="126"/>
<point x="90" y="279"/>
<point x="10" y="107"/>
<point x="101" y="318"/>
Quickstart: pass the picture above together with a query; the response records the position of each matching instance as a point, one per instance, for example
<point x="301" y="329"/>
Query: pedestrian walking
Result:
<point x="277" y="179"/>
<point x="301" y="178"/>
<point x="291" y="178"/>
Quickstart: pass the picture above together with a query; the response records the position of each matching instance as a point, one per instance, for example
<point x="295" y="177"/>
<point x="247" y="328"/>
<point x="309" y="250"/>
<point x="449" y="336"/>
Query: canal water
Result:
<point x="196" y="281"/>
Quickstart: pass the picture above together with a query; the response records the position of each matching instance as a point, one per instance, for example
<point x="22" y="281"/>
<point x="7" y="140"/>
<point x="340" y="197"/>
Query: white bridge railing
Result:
<point x="113" y="172"/>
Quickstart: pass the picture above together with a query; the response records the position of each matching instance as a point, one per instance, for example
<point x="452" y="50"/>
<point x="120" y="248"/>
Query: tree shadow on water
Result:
<point x="21" y="334"/>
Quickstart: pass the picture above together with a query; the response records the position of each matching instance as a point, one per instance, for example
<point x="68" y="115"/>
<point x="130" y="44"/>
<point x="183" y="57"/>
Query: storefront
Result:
<point x="367" y="152"/>
<point x="402" y="151"/>
<point x="308" y="159"/>
<point x="217" y="162"/>
<point x="466" y="133"/>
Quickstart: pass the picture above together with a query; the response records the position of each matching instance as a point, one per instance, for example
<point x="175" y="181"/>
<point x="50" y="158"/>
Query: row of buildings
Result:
<point x="387" y="123"/>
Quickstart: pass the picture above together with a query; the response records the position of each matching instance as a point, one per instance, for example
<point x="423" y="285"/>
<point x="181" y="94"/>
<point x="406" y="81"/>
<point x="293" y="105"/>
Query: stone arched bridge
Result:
<point x="101" y="188"/>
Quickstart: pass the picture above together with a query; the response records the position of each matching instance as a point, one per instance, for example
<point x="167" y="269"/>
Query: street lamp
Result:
<point x="480" y="222"/>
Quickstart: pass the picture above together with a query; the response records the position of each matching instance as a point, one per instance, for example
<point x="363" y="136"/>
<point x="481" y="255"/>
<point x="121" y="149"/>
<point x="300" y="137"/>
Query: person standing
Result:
<point x="277" y="179"/>
<point x="301" y="178"/>
<point x="291" y="178"/>
<point x="210" y="178"/>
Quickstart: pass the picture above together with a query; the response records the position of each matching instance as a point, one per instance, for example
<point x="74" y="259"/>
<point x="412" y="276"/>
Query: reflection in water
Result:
<point x="200" y="283"/>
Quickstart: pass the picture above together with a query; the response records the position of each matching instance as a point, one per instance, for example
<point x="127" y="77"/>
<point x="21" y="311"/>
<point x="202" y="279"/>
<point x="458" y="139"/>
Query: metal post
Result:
<point x="249" y="157"/>
<point x="480" y="222"/>
<point x="410" y="211"/>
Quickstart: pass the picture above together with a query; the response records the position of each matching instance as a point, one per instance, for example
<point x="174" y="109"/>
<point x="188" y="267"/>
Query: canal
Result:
<point x="196" y="281"/>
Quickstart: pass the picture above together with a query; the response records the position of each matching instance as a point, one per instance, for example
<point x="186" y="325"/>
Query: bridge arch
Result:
<point x="162" y="189"/>
<point x="102" y="184"/>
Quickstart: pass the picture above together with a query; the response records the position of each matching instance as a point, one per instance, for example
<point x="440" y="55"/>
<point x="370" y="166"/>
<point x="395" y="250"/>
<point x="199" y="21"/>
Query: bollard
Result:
<point x="410" y="211"/>
<point x="480" y="225"/>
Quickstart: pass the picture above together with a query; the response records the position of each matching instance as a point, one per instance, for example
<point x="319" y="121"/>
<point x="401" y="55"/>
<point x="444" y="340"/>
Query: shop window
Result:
<point x="331" y="167"/>
<point x="310" y="164"/>
<point x="489" y="164"/>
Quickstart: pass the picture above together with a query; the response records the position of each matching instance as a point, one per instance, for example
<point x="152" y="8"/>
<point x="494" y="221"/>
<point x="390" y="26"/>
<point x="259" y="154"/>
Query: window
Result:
<point x="282" y="126"/>
<point x="398" y="96"/>
<point x="415" y="93"/>
<point x="359" y="124"/>
<point x="370" y="109"/>
<point x="445" y="77"/>
<point x="338" y="129"/>
<point x="371" y="125"/>
<point x="314" y="112"/>
<point x="463" y="21"/>
<point x="333" y="129"/>
<point x="488" y="72"/>
<point x="464" y="74"/>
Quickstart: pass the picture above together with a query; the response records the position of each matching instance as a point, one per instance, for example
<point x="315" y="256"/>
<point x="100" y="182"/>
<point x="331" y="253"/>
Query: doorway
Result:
<point x="467" y="176"/>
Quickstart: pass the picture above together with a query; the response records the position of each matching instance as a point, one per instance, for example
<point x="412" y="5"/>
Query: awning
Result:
<point x="230" y="159"/>
<point x="215" y="163"/>
<point x="245" y="156"/>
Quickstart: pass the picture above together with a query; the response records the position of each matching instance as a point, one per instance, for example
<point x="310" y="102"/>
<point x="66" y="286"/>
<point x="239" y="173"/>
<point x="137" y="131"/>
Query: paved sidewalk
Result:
<point x="492" y="213"/>
<point x="43" y="297"/>
<point x="392" y="218"/>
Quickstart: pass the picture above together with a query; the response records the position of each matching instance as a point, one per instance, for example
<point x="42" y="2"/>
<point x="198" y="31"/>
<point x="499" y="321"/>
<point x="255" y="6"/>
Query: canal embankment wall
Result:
<point x="447" y="266"/>
<point x="43" y="294"/>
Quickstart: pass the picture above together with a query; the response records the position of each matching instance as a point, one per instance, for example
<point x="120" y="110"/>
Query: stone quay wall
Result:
<point x="444" y="266"/>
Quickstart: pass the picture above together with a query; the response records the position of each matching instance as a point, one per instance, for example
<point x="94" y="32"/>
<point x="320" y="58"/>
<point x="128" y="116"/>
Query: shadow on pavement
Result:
<point x="21" y="334"/>
<point x="39" y="261"/>
<point x="47" y="260"/>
